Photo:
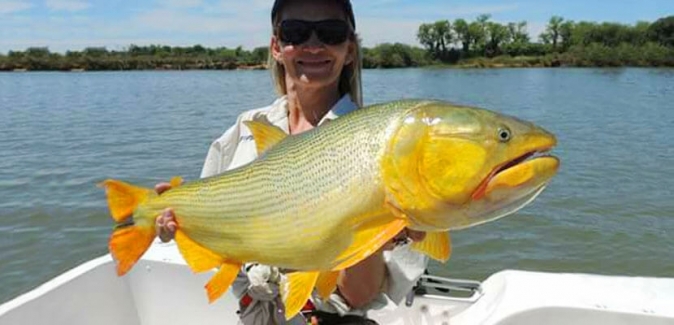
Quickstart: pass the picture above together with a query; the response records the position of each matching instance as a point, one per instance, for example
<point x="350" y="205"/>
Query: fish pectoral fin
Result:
<point x="123" y="198"/>
<point x="437" y="245"/>
<point x="176" y="181"/>
<point x="326" y="283"/>
<point x="265" y="135"/>
<point x="222" y="280"/>
<point x="128" y="244"/>
<point x="199" y="258"/>
<point x="368" y="239"/>
<point x="296" y="289"/>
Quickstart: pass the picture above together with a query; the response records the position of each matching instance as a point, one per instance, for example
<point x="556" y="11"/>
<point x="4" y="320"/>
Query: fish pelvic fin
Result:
<point x="265" y="135"/>
<point x="128" y="243"/>
<point x="123" y="198"/>
<point x="367" y="240"/>
<point x="296" y="289"/>
<point x="222" y="280"/>
<point x="437" y="245"/>
<point x="327" y="283"/>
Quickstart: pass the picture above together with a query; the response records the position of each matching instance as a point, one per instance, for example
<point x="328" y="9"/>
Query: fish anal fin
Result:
<point x="437" y="245"/>
<point x="222" y="280"/>
<point x="123" y="198"/>
<point x="199" y="258"/>
<point x="326" y="283"/>
<point x="265" y="135"/>
<point x="128" y="244"/>
<point x="367" y="240"/>
<point x="296" y="289"/>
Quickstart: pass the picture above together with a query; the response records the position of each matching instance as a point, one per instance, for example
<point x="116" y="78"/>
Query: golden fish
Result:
<point x="324" y="200"/>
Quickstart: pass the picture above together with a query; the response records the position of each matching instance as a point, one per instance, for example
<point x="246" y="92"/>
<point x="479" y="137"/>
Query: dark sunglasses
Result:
<point x="329" y="31"/>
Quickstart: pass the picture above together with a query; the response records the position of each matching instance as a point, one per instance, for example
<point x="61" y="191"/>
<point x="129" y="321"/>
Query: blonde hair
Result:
<point x="349" y="81"/>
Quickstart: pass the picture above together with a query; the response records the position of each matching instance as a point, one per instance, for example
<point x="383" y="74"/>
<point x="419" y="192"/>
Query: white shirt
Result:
<point x="236" y="147"/>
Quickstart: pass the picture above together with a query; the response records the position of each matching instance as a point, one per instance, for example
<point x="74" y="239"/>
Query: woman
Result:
<point x="315" y="62"/>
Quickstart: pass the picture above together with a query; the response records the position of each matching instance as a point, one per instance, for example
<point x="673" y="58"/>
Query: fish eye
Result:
<point x="504" y="134"/>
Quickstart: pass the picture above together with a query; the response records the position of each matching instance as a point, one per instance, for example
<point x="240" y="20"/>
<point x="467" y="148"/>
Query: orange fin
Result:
<point x="222" y="280"/>
<point x="368" y="240"/>
<point x="326" y="283"/>
<point x="436" y="245"/>
<point x="265" y="135"/>
<point x="199" y="258"/>
<point x="128" y="244"/>
<point x="296" y="289"/>
<point x="176" y="181"/>
<point x="123" y="198"/>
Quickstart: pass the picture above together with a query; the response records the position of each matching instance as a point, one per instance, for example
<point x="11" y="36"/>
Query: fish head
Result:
<point x="450" y="167"/>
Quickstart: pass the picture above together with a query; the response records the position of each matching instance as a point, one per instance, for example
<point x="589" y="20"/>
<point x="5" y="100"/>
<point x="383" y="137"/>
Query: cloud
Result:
<point x="183" y="3"/>
<point x="11" y="6"/>
<point x="67" y="5"/>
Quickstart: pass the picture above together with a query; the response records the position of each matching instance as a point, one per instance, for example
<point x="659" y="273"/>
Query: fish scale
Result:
<point x="293" y="191"/>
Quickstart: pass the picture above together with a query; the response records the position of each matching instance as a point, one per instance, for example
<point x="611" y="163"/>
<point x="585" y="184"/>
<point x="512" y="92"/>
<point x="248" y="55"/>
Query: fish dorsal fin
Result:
<point x="296" y="289"/>
<point x="222" y="280"/>
<point x="123" y="198"/>
<point x="197" y="257"/>
<point x="265" y="135"/>
<point x="436" y="245"/>
<point x="176" y="181"/>
<point x="367" y="240"/>
<point x="326" y="283"/>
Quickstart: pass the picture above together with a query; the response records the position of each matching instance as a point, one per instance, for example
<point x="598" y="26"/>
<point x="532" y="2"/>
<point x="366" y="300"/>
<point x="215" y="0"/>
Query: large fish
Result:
<point x="323" y="200"/>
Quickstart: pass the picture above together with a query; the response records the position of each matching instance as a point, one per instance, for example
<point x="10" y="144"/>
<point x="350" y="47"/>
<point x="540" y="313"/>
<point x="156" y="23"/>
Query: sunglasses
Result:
<point x="329" y="31"/>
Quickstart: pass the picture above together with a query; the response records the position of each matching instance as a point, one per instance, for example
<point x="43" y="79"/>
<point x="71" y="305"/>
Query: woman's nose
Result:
<point x="313" y="44"/>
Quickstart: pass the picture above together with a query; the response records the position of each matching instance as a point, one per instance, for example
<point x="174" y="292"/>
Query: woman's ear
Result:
<point x="351" y="53"/>
<point x="275" y="48"/>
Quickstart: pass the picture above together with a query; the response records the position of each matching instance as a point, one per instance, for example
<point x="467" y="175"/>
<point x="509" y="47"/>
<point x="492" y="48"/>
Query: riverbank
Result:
<point x="473" y="63"/>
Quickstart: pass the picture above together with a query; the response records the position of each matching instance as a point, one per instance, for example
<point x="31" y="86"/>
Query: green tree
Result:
<point x="565" y="33"/>
<point x="517" y="32"/>
<point x="662" y="31"/>
<point x="552" y="32"/>
<point x="463" y="34"/>
<point x="480" y="32"/>
<point x="497" y="36"/>
<point x="436" y="37"/>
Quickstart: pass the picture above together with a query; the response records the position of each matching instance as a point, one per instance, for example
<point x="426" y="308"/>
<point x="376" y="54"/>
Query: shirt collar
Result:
<point x="278" y="115"/>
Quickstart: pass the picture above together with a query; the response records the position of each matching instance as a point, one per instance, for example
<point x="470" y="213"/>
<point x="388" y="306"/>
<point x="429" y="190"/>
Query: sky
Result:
<point x="63" y="25"/>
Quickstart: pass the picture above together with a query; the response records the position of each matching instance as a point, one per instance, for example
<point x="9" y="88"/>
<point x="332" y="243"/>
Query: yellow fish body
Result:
<point x="323" y="200"/>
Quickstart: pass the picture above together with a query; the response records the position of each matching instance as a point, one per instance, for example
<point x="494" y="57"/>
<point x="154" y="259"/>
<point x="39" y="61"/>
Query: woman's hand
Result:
<point x="405" y="236"/>
<point x="165" y="224"/>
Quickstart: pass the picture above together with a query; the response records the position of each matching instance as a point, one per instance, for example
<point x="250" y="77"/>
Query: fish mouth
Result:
<point x="539" y="153"/>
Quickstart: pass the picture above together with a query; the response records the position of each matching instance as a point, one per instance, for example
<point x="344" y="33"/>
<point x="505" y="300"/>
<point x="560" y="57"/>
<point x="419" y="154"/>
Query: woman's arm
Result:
<point x="361" y="283"/>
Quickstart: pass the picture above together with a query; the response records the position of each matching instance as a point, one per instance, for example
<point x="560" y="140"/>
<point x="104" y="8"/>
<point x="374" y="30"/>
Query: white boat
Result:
<point x="93" y="294"/>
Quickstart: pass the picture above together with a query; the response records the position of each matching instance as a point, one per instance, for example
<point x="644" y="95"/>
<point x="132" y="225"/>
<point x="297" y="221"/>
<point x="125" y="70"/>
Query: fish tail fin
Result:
<point x="123" y="198"/>
<point x="131" y="238"/>
<point x="128" y="243"/>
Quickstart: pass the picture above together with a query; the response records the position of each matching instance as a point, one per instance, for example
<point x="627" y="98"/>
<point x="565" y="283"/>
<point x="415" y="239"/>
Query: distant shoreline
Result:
<point x="474" y="63"/>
